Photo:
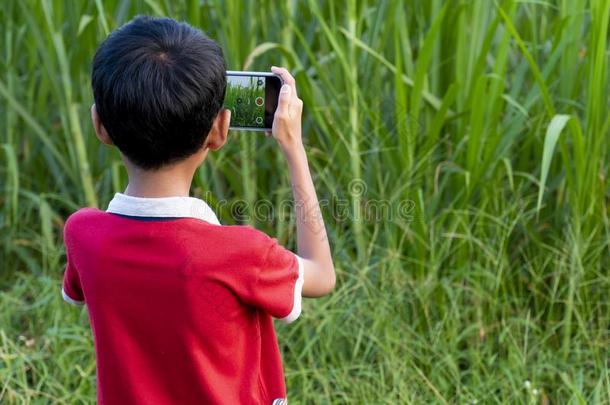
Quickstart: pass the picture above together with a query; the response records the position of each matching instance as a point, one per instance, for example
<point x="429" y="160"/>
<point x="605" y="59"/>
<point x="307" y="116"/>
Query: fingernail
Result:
<point x="285" y="89"/>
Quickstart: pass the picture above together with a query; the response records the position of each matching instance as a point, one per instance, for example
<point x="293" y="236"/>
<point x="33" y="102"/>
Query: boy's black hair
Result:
<point x="158" y="84"/>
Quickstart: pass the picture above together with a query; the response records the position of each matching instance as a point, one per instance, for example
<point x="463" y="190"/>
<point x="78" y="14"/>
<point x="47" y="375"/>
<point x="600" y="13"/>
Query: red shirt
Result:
<point x="180" y="307"/>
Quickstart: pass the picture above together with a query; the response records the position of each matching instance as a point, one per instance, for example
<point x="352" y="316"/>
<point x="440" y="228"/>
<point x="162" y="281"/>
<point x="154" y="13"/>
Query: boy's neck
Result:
<point x="168" y="181"/>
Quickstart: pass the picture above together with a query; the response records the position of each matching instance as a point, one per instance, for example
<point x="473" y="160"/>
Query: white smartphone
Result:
<point x="252" y="98"/>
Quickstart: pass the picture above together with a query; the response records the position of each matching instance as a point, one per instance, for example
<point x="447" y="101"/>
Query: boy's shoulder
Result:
<point x="84" y="216"/>
<point x="89" y="219"/>
<point x="243" y="239"/>
<point x="85" y="212"/>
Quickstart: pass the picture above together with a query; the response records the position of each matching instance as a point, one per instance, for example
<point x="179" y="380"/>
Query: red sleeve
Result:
<point x="71" y="289"/>
<point x="275" y="285"/>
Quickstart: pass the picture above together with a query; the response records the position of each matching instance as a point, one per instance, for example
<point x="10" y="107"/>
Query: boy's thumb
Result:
<point x="284" y="100"/>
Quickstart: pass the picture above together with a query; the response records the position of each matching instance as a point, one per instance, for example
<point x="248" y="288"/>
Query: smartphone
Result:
<point x="252" y="98"/>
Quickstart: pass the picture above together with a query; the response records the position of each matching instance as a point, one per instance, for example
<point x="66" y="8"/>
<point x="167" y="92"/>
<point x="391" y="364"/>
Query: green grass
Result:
<point x="241" y="101"/>
<point x="484" y="124"/>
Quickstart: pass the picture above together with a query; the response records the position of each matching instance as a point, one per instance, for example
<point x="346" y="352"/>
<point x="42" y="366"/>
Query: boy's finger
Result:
<point x="283" y="104"/>
<point x="286" y="77"/>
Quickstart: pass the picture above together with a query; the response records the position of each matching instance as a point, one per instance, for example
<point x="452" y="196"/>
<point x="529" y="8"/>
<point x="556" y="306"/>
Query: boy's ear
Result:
<point x="100" y="131"/>
<point x="217" y="136"/>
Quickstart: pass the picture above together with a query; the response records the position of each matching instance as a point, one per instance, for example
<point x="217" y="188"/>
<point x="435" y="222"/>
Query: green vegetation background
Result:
<point x="462" y="150"/>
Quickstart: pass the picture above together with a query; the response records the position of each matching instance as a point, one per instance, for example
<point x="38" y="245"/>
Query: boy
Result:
<point x="180" y="306"/>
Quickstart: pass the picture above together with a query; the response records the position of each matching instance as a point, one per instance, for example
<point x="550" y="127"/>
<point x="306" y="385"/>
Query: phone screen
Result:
<point x="252" y="100"/>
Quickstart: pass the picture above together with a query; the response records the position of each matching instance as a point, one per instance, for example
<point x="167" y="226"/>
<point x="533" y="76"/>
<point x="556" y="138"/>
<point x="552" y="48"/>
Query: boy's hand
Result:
<point x="287" y="120"/>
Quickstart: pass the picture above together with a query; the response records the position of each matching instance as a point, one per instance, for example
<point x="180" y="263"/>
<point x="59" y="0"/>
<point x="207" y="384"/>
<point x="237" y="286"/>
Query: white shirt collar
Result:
<point x="189" y="207"/>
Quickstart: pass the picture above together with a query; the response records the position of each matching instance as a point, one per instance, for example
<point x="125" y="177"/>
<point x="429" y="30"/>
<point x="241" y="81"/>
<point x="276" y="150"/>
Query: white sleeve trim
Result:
<point x="70" y="300"/>
<point x="298" y="288"/>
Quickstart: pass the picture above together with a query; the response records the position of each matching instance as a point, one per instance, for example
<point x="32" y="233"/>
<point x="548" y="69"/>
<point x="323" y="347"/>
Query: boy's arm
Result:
<point x="312" y="242"/>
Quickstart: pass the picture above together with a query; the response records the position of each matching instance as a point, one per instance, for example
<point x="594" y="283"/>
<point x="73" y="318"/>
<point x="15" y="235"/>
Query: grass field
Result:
<point x="462" y="148"/>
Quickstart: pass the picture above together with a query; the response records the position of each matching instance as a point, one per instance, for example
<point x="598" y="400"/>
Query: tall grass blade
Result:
<point x="556" y="126"/>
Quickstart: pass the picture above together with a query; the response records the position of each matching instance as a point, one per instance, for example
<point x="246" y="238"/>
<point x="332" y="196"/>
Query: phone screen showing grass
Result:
<point x="252" y="100"/>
